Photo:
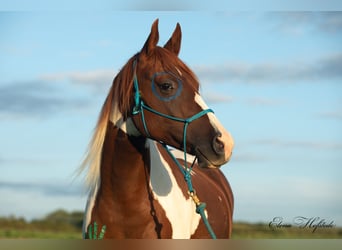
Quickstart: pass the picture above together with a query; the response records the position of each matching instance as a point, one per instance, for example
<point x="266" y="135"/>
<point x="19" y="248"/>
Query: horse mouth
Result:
<point x="204" y="162"/>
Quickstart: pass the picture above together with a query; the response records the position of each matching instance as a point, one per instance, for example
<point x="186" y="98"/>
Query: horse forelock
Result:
<point x="123" y="87"/>
<point x="171" y="63"/>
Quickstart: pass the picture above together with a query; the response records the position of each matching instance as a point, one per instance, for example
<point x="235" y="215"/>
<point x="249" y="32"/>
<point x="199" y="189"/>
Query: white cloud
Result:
<point x="250" y="157"/>
<point x="324" y="68"/>
<point x="20" y="203"/>
<point x="318" y="145"/>
<point x="155" y="5"/>
<point x="330" y="115"/>
<point x="287" y="197"/>
<point x="261" y="101"/>
<point x="47" y="188"/>
<point x="35" y="99"/>
<point x="296" y="23"/>
<point x="214" y="97"/>
<point x="97" y="78"/>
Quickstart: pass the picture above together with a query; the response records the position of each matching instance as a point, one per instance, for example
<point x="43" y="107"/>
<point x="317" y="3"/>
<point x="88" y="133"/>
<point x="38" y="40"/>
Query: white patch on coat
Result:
<point x="128" y="127"/>
<point x="179" y="210"/>
<point x="178" y="154"/>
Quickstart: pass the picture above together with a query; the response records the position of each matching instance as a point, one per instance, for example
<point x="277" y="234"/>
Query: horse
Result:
<point x="152" y="126"/>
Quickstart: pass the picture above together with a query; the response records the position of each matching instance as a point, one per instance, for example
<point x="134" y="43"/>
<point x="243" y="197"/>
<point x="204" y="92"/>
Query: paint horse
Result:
<point x="137" y="186"/>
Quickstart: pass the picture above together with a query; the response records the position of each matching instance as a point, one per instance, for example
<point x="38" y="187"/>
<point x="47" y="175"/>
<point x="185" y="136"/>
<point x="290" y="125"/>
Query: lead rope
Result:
<point x="200" y="206"/>
<point x="186" y="171"/>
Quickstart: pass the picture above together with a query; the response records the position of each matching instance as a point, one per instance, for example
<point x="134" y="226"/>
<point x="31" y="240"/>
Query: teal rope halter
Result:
<point x="139" y="107"/>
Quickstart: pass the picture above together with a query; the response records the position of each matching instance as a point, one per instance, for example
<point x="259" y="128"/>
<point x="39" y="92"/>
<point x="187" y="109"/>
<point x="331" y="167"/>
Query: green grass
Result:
<point x="63" y="225"/>
<point x="38" y="234"/>
<point x="56" y="225"/>
<point x="263" y="231"/>
<point x="240" y="231"/>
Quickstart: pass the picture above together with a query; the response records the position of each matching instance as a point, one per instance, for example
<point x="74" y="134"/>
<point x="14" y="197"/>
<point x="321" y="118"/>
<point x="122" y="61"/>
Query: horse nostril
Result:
<point x="218" y="145"/>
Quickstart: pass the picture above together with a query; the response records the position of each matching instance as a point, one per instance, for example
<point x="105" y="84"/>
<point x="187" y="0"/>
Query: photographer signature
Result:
<point x="302" y="222"/>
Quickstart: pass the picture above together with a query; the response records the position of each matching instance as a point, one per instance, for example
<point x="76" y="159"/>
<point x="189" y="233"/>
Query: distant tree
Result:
<point x="61" y="220"/>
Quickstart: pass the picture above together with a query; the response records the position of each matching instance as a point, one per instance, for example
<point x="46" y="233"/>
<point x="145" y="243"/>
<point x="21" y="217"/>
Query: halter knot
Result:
<point x="200" y="207"/>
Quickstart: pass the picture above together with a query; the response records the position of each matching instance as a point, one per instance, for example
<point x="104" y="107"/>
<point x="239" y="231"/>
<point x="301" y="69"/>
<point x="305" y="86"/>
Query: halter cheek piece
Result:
<point x="139" y="108"/>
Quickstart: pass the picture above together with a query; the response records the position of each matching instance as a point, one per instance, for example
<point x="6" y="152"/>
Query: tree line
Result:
<point x="59" y="220"/>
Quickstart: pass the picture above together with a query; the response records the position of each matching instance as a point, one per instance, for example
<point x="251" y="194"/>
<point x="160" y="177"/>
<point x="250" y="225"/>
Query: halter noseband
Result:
<point x="139" y="107"/>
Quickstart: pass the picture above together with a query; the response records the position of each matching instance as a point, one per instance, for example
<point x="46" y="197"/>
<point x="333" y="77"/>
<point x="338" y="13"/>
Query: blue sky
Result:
<point x="273" y="79"/>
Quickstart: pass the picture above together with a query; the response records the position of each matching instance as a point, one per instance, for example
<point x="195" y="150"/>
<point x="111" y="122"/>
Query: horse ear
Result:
<point x="174" y="42"/>
<point x="152" y="39"/>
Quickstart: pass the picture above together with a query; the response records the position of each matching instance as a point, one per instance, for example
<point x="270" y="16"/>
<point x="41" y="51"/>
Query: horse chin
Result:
<point x="204" y="162"/>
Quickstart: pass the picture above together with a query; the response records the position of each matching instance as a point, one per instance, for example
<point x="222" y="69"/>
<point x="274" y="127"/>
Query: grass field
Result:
<point x="64" y="225"/>
<point x="37" y="234"/>
<point x="263" y="231"/>
<point x="240" y="231"/>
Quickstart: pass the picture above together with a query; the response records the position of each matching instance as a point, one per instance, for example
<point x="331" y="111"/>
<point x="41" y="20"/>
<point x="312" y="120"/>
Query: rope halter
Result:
<point x="139" y="108"/>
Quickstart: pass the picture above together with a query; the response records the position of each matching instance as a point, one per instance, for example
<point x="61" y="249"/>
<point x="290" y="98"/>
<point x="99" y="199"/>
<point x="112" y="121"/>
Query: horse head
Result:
<point x="164" y="94"/>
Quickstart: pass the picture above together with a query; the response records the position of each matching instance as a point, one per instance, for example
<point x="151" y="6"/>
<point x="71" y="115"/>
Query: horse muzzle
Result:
<point x="218" y="153"/>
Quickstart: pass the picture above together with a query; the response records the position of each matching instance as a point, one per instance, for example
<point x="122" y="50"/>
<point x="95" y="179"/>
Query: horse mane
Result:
<point x="118" y="104"/>
<point x="115" y="107"/>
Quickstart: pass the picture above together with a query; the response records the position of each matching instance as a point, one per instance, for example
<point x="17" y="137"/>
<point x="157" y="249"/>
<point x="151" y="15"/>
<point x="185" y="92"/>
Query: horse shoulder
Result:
<point x="213" y="188"/>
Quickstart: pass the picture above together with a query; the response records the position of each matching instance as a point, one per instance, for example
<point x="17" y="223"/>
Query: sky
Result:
<point x="272" y="78"/>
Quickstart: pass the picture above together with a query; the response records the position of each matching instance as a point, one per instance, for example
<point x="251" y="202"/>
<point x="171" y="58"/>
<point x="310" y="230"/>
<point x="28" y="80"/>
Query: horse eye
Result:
<point x="166" y="86"/>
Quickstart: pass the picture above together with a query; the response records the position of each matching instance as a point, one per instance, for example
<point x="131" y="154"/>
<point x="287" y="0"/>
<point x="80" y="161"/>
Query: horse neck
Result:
<point x="124" y="163"/>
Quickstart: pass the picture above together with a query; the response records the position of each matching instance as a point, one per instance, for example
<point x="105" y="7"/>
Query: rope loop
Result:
<point x="200" y="207"/>
<point x="187" y="177"/>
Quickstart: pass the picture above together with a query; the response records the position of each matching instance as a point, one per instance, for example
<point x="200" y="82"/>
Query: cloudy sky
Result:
<point x="273" y="79"/>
